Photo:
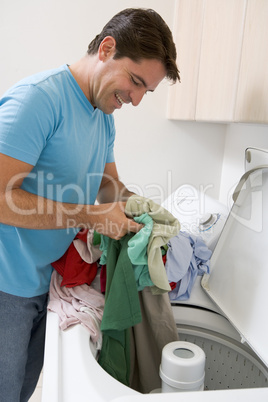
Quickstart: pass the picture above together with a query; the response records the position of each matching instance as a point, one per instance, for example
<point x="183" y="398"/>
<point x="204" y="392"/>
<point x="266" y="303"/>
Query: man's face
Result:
<point x="120" y="81"/>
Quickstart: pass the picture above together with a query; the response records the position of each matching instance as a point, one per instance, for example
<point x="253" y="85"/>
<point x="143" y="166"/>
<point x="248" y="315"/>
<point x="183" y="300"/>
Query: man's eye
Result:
<point x="134" y="82"/>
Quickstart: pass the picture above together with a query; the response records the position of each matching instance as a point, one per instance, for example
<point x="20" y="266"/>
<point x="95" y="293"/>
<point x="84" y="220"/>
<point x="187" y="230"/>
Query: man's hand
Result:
<point x="113" y="222"/>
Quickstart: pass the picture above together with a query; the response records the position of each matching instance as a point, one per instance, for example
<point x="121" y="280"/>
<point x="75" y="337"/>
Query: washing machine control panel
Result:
<point x="198" y="213"/>
<point x="207" y="221"/>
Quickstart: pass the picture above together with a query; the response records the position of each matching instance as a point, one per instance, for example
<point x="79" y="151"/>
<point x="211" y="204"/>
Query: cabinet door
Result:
<point x="252" y="95"/>
<point x="187" y="34"/>
<point x="220" y="59"/>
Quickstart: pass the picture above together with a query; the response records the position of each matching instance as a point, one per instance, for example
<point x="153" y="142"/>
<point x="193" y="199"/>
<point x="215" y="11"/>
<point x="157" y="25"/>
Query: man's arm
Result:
<point x="111" y="188"/>
<point x="22" y="209"/>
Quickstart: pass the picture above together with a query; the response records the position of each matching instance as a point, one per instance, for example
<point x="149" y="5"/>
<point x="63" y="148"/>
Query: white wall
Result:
<point x="154" y="155"/>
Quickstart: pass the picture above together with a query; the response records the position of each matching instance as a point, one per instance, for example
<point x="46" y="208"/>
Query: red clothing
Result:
<point x="72" y="268"/>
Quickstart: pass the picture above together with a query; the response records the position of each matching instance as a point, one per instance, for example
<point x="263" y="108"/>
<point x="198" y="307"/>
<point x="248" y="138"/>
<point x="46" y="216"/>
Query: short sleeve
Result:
<point x="110" y="154"/>
<point x="27" y="121"/>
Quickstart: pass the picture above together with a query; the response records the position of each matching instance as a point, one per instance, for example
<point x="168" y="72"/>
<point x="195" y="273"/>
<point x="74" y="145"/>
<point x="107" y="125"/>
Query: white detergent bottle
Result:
<point x="182" y="367"/>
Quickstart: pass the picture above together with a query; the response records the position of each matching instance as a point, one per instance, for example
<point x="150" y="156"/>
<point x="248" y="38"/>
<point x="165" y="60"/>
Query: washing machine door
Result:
<point x="238" y="282"/>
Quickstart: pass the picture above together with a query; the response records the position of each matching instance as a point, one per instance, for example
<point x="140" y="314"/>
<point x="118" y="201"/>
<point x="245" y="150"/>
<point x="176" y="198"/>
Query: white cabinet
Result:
<point x="219" y="59"/>
<point x="222" y="56"/>
<point x="187" y="36"/>
<point x="252" y="94"/>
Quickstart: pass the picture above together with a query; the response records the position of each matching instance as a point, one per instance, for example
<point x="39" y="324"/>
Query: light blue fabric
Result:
<point x="137" y="252"/>
<point x="187" y="257"/>
<point x="46" y="121"/>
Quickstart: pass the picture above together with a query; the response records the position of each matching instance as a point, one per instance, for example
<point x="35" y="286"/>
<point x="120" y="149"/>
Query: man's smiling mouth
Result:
<point x="119" y="99"/>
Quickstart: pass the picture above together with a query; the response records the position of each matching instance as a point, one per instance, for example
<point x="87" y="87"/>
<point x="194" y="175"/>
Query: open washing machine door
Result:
<point x="238" y="282"/>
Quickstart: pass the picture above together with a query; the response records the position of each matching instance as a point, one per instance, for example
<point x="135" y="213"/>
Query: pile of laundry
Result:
<point x="129" y="317"/>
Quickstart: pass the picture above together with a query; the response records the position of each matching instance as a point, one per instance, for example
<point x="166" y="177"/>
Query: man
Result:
<point x="56" y="158"/>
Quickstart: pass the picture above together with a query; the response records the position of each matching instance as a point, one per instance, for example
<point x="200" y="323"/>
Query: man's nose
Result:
<point x="136" y="96"/>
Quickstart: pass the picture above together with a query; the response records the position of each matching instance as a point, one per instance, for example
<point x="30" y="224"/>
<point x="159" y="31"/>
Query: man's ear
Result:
<point x="107" y="48"/>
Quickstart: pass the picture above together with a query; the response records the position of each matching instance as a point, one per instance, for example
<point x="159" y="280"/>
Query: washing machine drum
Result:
<point x="239" y="275"/>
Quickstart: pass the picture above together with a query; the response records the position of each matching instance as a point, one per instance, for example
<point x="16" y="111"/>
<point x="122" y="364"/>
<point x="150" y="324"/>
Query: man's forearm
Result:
<point x="22" y="209"/>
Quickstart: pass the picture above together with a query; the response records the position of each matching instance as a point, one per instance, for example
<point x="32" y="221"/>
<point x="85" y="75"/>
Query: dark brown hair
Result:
<point x="140" y="34"/>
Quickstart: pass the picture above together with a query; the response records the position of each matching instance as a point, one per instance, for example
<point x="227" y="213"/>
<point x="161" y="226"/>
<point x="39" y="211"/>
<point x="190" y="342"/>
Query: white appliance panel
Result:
<point x="239" y="269"/>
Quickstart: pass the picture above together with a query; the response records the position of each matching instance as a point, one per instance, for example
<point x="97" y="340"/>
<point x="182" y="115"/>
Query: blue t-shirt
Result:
<point x="47" y="121"/>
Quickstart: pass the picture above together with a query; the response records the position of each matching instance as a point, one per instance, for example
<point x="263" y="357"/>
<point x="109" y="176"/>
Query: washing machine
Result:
<point x="225" y="314"/>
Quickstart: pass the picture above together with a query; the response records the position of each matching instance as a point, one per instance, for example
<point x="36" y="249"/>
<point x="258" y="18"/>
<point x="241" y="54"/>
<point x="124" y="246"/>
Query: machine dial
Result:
<point x="207" y="220"/>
